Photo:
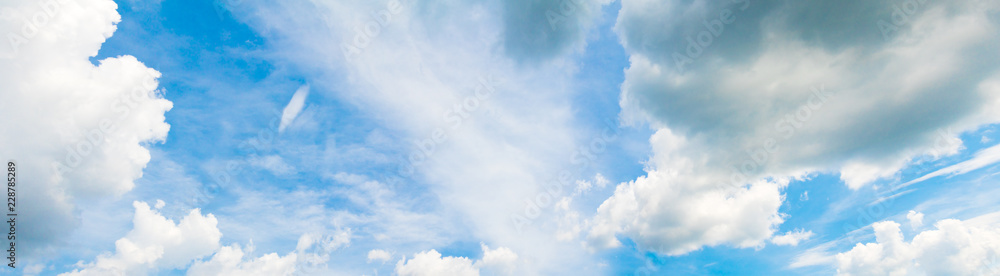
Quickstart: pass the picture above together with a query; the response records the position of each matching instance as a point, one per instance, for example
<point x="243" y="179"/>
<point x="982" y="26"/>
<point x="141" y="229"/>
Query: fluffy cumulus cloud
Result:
<point x="77" y="130"/>
<point x="229" y="260"/>
<point x="677" y="211"/>
<point x="156" y="242"/>
<point x="748" y="95"/>
<point x="501" y="261"/>
<point x="954" y="248"/>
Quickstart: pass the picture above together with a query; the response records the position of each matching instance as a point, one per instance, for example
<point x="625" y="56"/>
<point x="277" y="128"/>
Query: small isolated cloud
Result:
<point x="584" y="186"/>
<point x="379" y="255"/>
<point x="294" y="107"/>
<point x="954" y="248"/>
<point x="916" y="219"/>
<point x="792" y="238"/>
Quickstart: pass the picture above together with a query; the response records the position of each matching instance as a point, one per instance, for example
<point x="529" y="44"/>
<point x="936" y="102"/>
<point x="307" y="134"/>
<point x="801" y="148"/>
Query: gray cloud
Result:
<point x="746" y="102"/>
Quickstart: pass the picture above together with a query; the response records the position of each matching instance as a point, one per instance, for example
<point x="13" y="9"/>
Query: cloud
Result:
<point x="916" y="219"/>
<point x="294" y="107"/>
<point x="677" y="210"/>
<point x="544" y="29"/>
<point x="500" y="261"/>
<point x="792" y="238"/>
<point x="379" y="255"/>
<point x="982" y="158"/>
<point x="954" y="248"/>
<point x="229" y="260"/>
<point x="752" y="93"/>
<point x="81" y="130"/>
<point x="156" y="243"/>
<point x="431" y="263"/>
<point x="476" y="128"/>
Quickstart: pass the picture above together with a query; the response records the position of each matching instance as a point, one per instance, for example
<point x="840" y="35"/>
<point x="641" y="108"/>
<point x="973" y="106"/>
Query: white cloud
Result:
<point x="916" y="219"/>
<point x="982" y="158"/>
<point x="676" y="210"/>
<point x="229" y="260"/>
<point x="501" y="261"/>
<point x="80" y="130"/>
<point x="294" y="107"/>
<point x="776" y="95"/>
<point x="792" y="238"/>
<point x="430" y="263"/>
<point x="954" y="248"/>
<point x="156" y="242"/>
<point x="584" y="186"/>
<point x="379" y="255"/>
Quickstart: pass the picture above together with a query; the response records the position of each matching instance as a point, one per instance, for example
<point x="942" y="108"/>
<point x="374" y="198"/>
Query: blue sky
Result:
<point x="583" y="137"/>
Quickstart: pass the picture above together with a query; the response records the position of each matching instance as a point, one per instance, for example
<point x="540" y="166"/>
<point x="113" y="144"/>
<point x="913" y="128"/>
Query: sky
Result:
<point x="487" y="137"/>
